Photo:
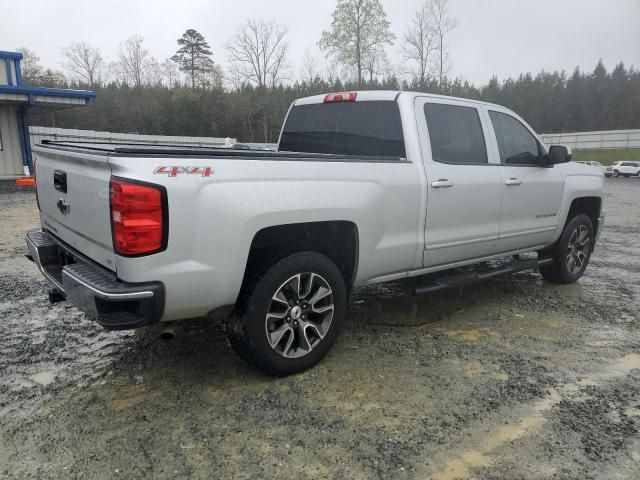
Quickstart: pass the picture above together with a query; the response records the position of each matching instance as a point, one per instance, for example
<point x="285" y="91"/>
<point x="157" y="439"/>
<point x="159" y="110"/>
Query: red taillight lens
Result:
<point x="138" y="217"/>
<point x="341" y="97"/>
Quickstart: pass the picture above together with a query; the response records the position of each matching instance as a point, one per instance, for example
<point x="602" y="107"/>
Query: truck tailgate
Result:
<point x="73" y="192"/>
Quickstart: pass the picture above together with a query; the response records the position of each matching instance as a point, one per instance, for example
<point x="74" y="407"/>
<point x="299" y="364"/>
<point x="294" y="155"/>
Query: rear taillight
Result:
<point x="35" y="179"/>
<point x="340" y="97"/>
<point x="139" y="222"/>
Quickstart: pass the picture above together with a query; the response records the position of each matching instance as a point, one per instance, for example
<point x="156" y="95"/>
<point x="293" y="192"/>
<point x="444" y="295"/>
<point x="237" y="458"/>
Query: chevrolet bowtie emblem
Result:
<point x="63" y="206"/>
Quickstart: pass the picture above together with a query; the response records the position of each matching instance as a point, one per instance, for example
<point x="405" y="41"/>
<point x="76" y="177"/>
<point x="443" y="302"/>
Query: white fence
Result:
<point x="37" y="134"/>
<point x="578" y="140"/>
<point x="595" y="140"/>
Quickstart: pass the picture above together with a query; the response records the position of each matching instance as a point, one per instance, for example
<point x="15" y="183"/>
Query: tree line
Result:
<point x="190" y="94"/>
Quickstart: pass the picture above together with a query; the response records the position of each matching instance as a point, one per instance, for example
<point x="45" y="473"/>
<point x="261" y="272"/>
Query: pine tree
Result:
<point x="194" y="56"/>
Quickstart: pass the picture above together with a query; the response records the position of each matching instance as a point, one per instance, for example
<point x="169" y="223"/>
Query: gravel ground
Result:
<point x="510" y="379"/>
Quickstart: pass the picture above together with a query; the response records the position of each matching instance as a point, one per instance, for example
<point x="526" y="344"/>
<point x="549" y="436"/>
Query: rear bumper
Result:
<point x="114" y="304"/>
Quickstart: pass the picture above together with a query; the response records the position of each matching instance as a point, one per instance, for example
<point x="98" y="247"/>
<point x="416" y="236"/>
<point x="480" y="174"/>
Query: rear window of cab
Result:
<point x="365" y="128"/>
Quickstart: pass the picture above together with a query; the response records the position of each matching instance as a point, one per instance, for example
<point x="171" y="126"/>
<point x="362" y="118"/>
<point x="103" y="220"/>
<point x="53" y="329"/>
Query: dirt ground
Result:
<point x="514" y="378"/>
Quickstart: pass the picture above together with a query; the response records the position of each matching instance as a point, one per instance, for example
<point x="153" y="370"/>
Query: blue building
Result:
<point x="16" y="100"/>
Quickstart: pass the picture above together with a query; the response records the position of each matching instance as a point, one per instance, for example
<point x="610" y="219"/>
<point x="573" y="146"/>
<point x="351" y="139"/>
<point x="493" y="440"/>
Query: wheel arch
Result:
<point x="337" y="239"/>
<point x="588" y="205"/>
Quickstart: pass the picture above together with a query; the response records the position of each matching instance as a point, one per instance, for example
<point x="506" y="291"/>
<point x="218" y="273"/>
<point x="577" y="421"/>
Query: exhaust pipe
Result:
<point x="167" y="333"/>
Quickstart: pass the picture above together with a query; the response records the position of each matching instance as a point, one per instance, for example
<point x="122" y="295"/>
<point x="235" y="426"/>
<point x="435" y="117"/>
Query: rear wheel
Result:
<point x="292" y="315"/>
<point x="571" y="253"/>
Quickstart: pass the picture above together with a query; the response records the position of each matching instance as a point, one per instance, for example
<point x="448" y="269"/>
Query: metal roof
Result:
<point x="14" y="55"/>
<point x="51" y="92"/>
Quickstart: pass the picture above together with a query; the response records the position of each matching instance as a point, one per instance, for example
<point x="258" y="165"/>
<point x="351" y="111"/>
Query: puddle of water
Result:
<point x="474" y="368"/>
<point x="126" y="403"/>
<point x="471" y="336"/>
<point x="471" y="459"/>
<point x="625" y="364"/>
<point x="461" y="467"/>
<point x="44" y="378"/>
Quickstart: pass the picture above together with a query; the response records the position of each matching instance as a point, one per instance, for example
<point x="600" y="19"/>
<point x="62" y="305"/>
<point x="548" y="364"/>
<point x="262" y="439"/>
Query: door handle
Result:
<point x="513" y="181"/>
<point x="442" y="183"/>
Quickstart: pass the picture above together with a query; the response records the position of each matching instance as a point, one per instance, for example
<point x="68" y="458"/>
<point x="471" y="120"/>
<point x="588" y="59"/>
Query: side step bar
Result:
<point x="469" y="278"/>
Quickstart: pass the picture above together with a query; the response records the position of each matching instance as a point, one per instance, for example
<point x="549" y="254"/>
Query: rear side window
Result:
<point x="516" y="144"/>
<point x="455" y="133"/>
<point x="349" y="128"/>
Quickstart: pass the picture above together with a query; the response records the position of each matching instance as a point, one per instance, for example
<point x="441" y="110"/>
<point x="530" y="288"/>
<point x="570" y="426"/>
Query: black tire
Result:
<point x="616" y="173"/>
<point x="562" y="270"/>
<point x="247" y="330"/>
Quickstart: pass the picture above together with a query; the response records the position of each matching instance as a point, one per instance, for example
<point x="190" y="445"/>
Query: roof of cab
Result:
<point x="386" y="95"/>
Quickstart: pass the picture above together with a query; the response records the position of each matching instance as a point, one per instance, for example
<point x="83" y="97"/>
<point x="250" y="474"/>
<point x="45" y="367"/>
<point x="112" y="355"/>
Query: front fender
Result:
<point x="578" y="186"/>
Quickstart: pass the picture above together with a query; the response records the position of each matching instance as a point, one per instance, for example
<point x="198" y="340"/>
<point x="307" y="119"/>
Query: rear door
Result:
<point x="463" y="192"/>
<point x="73" y="192"/>
<point x="531" y="191"/>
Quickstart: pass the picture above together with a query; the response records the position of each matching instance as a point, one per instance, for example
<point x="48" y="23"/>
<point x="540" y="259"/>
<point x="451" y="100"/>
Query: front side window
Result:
<point x="516" y="144"/>
<point x="455" y="133"/>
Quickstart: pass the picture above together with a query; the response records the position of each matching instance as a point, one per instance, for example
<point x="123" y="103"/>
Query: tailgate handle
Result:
<point x="60" y="181"/>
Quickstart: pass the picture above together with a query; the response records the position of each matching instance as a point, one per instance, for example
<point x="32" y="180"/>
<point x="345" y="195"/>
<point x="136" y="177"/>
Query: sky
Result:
<point x="493" y="37"/>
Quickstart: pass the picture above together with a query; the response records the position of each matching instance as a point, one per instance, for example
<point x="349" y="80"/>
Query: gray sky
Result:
<point x="501" y="37"/>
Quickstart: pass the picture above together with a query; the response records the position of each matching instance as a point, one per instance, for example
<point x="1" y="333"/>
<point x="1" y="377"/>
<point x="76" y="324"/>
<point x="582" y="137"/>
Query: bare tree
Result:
<point x="209" y="75"/>
<point x="133" y="60"/>
<point x="310" y="69"/>
<point x="375" y="63"/>
<point x="84" y="61"/>
<point x="442" y="25"/>
<point x="115" y="72"/>
<point x="35" y="74"/>
<point x="153" y="74"/>
<point x="420" y="43"/>
<point x="258" y="53"/>
<point x="31" y="68"/>
<point x="170" y="73"/>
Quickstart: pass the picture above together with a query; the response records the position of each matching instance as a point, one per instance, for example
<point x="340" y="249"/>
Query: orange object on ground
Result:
<point x="26" y="182"/>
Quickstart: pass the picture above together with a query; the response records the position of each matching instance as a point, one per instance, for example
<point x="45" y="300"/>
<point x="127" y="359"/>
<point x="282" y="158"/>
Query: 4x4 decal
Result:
<point x="175" y="171"/>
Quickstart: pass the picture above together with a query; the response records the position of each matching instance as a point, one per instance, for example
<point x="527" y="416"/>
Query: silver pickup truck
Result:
<point x="365" y="187"/>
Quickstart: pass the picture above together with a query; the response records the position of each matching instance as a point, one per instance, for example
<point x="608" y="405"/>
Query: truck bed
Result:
<point x="171" y="150"/>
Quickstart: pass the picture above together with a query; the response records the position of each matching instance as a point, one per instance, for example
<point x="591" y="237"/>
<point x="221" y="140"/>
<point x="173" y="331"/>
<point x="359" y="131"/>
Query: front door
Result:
<point x="531" y="191"/>
<point x="463" y="188"/>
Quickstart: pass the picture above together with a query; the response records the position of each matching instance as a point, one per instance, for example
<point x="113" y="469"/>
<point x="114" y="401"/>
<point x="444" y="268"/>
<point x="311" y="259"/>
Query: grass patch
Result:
<point x="607" y="156"/>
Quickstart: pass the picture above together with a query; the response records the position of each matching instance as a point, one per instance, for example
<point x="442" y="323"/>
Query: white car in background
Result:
<point x="625" y="169"/>
<point x="605" y="171"/>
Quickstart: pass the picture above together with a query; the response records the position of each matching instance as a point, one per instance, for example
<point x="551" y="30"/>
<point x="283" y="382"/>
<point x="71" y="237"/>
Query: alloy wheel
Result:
<point x="299" y="315"/>
<point x="578" y="249"/>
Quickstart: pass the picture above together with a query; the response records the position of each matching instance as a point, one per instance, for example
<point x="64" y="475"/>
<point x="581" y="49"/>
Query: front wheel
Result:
<point x="571" y="253"/>
<point x="292" y="315"/>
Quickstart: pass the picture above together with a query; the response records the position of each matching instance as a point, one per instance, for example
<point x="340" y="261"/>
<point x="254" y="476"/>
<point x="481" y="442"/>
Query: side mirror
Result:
<point x="558" y="154"/>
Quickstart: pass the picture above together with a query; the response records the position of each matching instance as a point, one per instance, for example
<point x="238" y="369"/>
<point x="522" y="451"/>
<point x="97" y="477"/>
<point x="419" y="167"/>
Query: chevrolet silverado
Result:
<point x="365" y="187"/>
